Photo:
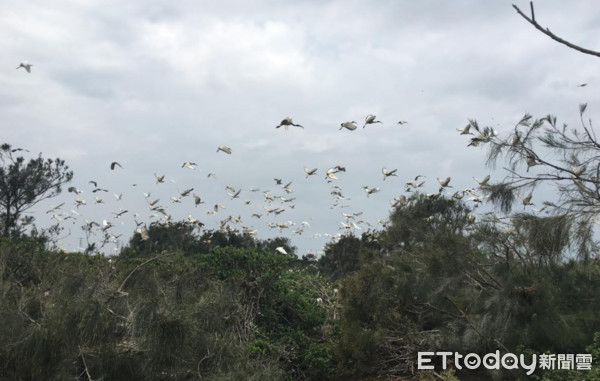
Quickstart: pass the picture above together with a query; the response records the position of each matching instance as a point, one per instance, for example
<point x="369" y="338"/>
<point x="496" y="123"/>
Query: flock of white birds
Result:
<point x="267" y="205"/>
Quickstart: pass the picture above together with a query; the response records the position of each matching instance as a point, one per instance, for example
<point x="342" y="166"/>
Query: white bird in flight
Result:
<point x="370" y="119"/>
<point x="526" y="199"/>
<point x="465" y="130"/>
<point x="331" y="174"/>
<point x="25" y="65"/>
<point x="349" y="125"/>
<point x="444" y="182"/>
<point x="387" y="173"/>
<point x="197" y="200"/>
<point x="310" y="172"/>
<point x="288" y="122"/>
<point x="482" y="182"/>
<point x="371" y="190"/>
<point x="225" y="149"/>
<point x="189" y="165"/>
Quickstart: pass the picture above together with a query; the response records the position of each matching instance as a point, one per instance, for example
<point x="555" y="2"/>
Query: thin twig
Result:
<point x="140" y="265"/>
<point x="547" y="32"/>
<point x="89" y="377"/>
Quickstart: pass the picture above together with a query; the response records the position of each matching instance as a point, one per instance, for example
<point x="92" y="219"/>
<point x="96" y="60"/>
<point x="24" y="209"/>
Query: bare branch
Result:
<point x="120" y="290"/>
<point x="547" y="32"/>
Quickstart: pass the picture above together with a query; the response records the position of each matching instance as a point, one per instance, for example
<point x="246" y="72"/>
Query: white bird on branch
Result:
<point x="578" y="171"/>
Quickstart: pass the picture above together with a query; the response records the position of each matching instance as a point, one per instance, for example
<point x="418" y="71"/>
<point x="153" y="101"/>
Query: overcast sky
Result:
<point x="152" y="84"/>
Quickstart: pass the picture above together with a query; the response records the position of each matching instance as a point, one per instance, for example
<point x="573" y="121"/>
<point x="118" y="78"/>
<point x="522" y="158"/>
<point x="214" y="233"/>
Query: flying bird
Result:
<point x="402" y="122"/>
<point x="414" y="184"/>
<point x="349" y="125"/>
<point x="331" y="174"/>
<point x="482" y="182"/>
<point x="197" y="200"/>
<point x="370" y="191"/>
<point x="153" y="203"/>
<point x="526" y="200"/>
<point x="53" y="208"/>
<point x="235" y="195"/>
<point x="310" y="172"/>
<point x="25" y="65"/>
<point x="189" y="165"/>
<point x="120" y="213"/>
<point x="281" y="250"/>
<point x="444" y="182"/>
<point x="114" y="164"/>
<point x="387" y="173"/>
<point x="465" y="130"/>
<point x="288" y="122"/>
<point x="370" y="119"/>
<point x="186" y="192"/>
<point x="144" y="233"/>
<point x="225" y="149"/>
<point x="18" y="149"/>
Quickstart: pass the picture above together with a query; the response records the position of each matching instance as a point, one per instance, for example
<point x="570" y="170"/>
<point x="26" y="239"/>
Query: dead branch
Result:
<point x="120" y="290"/>
<point x="86" y="371"/>
<point x="547" y="32"/>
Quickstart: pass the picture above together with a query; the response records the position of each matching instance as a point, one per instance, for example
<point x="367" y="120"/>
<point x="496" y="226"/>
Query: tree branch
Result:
<point x="547" y="32"/>
<point x="120" y="290"/>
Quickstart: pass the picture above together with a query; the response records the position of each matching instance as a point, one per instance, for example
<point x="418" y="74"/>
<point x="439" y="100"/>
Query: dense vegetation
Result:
<point x="232" y="308"/>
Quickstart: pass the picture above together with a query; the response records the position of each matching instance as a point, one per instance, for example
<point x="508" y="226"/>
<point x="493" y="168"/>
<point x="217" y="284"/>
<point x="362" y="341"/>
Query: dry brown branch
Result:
<point x="86" y="371"/>
<point x="120" y="290"/>
<point x="547" y="32"/>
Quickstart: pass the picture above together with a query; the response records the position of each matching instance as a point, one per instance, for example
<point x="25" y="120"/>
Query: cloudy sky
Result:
<point x="152" y="84"/>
